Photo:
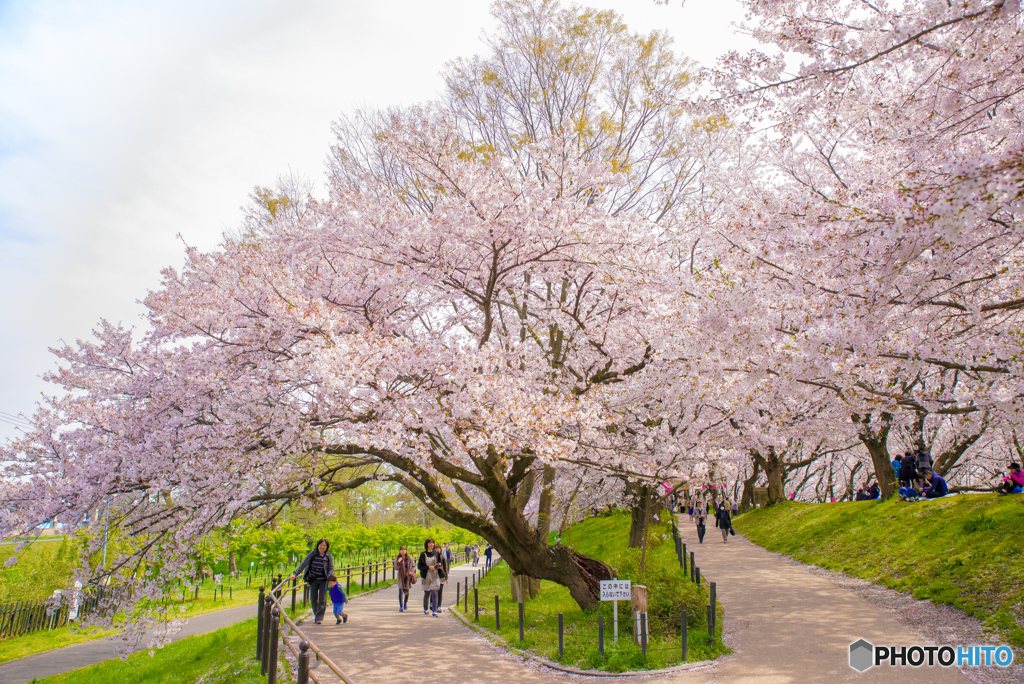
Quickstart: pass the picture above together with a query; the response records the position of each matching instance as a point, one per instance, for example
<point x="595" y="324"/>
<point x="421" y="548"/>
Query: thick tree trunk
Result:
<point x="644" y="502"/>
<point x="774" y="469"/>
<point x="231" y="563"/>
<point x="547" y="501"/>
<point x="875" y="439"/>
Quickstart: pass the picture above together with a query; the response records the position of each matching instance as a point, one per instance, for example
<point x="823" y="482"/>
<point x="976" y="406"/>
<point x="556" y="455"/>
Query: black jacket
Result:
<point x="724" y="519"/>
<point x="442" y="564"/>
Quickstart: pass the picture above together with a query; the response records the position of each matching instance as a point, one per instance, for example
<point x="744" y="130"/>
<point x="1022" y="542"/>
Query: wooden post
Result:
<point x="259" y="625"/>
<point x="458" y="588"/>
<point x="684" y="558"/>
<point x="497" y="614"/>
<point x="684" y="635"/>
<point x="697" y="571"/>
<point x="476" y="604"/>
<point x="522" y="614"/>
<point x="600" y="634"/>
<point x="302" y="676"/>
<point x="714" y="609"/>
<point x="265" y="661"/>
<point x="638" y="602"/>
<point x="275" y="627"/>
<point x="693" y="566"/>
<point x="561" y="645"/>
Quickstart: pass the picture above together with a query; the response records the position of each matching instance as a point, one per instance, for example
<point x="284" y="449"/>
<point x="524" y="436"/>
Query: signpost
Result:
<point x="615" y="590"/>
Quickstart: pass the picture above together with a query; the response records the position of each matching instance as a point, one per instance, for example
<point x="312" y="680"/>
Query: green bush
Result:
<point x="669" y="590"/>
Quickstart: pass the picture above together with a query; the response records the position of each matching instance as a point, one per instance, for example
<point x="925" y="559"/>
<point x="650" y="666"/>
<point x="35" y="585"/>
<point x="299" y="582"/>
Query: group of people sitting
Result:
<point x="916" y="477"/>
<point x="868" y="491"/>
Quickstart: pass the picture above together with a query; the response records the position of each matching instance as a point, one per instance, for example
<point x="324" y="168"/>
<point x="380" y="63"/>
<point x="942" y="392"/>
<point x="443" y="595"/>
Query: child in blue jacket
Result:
<point x="338" y="598"/>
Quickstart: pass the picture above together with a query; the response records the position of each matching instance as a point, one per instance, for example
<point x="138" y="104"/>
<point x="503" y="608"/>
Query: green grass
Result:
<point x="221" y="657"/>
<point x="38" y="642"/>
<point x="669" y="590"/>
<point x="963" y="551"/>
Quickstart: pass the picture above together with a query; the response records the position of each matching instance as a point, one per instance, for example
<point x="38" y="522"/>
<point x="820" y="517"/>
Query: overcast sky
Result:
<point x="124" y="124"/>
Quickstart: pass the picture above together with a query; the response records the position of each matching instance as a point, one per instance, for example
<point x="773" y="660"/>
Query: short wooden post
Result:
<point x="280" y="589"/>
<point x="711" y="623"/>
<point x="302" y="675"/>
<point x="561" y="644"/>
<point x="697" y="571"/>
<point x="275" y="630"/>
<point x="522" y="615"/>
<point x="295" y="589"/>
<point x="600" y="634"/>
<point x="714" y="608"/>
<point x="265" y="661"/>
<point x="638" y="601"/>
<point x="466" y="597"/>
<point x="497" y="614"/>
<point x="458" y="588"/>
<point x="693" y="567"/>
<point x="684" y="558"/>
<point x="259" y="625"/>
<point x="348" y="585"/>
<point x="476" y="604"/>
<point x="684" y="634"/>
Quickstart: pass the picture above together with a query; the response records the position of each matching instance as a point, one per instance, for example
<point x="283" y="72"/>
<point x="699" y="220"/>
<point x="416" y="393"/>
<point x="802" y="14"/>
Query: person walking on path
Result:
<point x="338" y="598"/>
<point x="429" y="566"/>
<point x="701" y="520"/>
<point x="445" y="569"/>
<point x="476" y="554"/>
<point x="487" y="554"/>
<point x="691" y="511"/>
<point x="316" y="568"/>
<point x="405" y="572"/>
<point x="724" y="523"/>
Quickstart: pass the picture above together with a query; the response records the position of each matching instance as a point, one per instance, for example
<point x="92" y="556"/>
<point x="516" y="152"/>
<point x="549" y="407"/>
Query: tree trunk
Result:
<point x="231" y="563"/>
<point x="547" y="501"/>
<point x="528" y="586"/>
<point x="747" y="500"/>
<point x="643" y="504"/>
<point x="875" y="440"/>
<point x="774" y="470"/>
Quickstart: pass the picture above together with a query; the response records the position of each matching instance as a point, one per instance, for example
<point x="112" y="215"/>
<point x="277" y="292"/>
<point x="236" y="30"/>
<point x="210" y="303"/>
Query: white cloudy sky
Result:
<point x="124" y="123"/>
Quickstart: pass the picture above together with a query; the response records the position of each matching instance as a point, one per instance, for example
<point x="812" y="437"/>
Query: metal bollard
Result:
<point x="259" y="625"/>
<point x="693" y="566"/>
<point x="466" y="595"/>
<point x="643" y="632"/>
<point x="522" y="615"/>
<point x="476" y="604"/>
<point x="348" y="583"/>
<point x="600" y="634"/>
<point x="302" y="676"/>
<point x="684" y="635"/>
<point x="275" y="631"/>
<point x="497" y="614"/>
<point x="561" y="643"/>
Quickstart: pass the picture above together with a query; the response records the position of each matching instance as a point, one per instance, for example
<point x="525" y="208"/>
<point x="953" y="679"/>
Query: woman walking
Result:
<point x="430" y="567"/>
<point x="724" y="523"/>
<point x="318" y="566"/>
<point x="405" y="571"/>
<point x="702" y="518"/>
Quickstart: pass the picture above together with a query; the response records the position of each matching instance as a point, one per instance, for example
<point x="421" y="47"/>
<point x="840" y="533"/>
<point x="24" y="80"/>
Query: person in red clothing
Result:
<point x="1013" y="483"/>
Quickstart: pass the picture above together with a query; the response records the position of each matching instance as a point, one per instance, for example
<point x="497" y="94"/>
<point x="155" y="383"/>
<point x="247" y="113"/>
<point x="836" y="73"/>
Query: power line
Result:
<point x="17" y="425"/>
<point x="11" y="416"/>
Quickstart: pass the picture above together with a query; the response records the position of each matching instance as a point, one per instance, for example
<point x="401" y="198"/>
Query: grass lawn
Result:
<point x="221" y="657"/>
<point x="669" y="590"/>
<point x="965" y="551"/>
<point x="37" y="642"/>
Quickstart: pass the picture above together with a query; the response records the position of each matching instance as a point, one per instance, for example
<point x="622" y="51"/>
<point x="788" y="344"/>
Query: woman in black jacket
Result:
<point x="318" y="566"/>
<point x="433" y="570"/>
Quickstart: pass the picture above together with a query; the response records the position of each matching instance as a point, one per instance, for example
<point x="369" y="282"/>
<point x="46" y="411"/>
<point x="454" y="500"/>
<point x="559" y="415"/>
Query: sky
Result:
<point x="129" y="129"/>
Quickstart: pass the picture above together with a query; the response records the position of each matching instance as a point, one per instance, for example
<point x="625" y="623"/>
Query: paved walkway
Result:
<point x="786" y="626"/>
<point x="91" y="652"/>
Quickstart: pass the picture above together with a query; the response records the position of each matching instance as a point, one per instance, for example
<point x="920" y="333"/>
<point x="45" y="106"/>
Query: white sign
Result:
<point x="615" y="590"/>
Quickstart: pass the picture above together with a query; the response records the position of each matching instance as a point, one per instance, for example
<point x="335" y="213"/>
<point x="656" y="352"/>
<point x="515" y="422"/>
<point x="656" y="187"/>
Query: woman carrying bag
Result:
<point x="405" y="571"/>
<point x="431" y="568"/>
<point x="318" y="566"/>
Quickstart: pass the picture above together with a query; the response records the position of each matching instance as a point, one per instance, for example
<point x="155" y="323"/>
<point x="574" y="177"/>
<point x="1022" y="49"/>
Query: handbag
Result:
<point x="732" y="532"/>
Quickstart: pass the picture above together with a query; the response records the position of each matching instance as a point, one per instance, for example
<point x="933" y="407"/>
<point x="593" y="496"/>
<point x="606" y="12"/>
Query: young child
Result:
<point x="338" y="598"/>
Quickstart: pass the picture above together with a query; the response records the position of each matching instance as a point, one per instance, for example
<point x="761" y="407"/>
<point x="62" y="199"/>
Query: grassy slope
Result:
<point x="221" y="657"/>
<point x="965" y="551"/>
<point x="604" y="538"/>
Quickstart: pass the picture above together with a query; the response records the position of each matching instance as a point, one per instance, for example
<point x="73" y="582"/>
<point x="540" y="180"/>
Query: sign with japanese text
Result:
<point x="615" y="590"/>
